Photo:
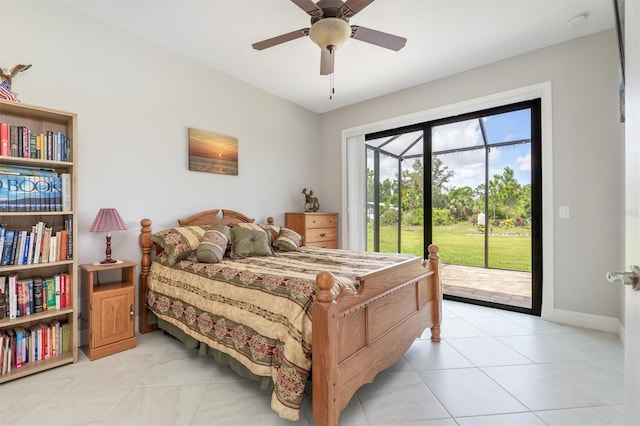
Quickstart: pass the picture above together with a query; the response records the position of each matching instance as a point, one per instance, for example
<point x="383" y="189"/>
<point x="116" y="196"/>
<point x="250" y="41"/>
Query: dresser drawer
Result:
<point x="333" y="244"/>
<point x="321" y="234"/>
<point x="316" y="229"/>
<point x="321" y="221"/>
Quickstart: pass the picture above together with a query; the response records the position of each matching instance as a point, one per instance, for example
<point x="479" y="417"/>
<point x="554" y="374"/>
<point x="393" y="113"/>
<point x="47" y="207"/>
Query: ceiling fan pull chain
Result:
<point x="332" y="83"/>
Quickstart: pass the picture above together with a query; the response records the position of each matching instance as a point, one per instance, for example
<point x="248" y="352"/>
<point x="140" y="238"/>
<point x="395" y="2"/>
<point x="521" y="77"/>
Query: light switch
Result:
<point x="564" y="212"/>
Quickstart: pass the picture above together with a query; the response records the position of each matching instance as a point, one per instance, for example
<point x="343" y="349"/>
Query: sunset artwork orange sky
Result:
<point x="212" y="153"/>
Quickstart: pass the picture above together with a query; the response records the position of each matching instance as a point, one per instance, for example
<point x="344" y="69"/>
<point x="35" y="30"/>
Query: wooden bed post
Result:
<point x="324" y="370"/>
<point x="437" y="292"/>
<point x="145" y="265"/>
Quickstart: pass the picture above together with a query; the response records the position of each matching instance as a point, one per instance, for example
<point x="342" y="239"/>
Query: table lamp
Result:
<point x="108" y="220"/>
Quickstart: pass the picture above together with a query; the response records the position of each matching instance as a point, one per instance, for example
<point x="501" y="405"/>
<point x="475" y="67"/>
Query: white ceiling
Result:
<point x="443" y="37"/>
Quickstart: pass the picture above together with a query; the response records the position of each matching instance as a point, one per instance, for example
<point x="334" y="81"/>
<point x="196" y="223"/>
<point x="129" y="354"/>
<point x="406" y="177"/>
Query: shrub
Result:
<point x="442" y="217"/>
<point x="506" y="224"/>
<point x="413" y="217"/>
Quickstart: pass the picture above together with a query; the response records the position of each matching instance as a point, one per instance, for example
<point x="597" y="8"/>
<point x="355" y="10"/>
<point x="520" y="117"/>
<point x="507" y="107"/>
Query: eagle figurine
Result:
<point x="8" y="76"/>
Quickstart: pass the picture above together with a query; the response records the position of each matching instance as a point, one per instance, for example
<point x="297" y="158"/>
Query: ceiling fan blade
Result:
<point x="309" y="7"/>
<point x="282" y="38"/>
<point x="378" y="38"/>
<point x="351" y="7"/>
<point x="326" y="62"/>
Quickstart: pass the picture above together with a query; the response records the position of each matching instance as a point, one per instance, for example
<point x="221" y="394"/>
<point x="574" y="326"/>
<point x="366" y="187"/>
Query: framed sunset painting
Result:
<point x="212" y="153"/>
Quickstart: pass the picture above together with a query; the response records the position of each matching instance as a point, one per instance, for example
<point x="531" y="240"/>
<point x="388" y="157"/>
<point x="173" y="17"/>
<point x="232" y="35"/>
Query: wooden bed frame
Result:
<point x="356" y="334"/>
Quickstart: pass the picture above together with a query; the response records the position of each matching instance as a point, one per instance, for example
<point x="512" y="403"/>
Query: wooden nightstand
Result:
<point x="317" y="229"/>
<point x="108" y="308"/>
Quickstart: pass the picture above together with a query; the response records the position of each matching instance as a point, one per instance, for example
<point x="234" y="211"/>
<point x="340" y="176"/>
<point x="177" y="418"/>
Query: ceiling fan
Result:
<point x="330" y="29"/>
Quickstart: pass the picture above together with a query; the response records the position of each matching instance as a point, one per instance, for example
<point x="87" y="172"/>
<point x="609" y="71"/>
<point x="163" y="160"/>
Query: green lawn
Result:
<point x="462" y="244"/>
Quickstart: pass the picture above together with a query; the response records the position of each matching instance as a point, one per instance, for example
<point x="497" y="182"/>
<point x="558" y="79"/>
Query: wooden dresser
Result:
<point x="317" y="229"/>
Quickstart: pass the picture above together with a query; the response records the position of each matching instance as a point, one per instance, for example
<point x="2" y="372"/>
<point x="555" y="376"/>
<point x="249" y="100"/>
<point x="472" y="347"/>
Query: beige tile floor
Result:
<point x="492" y="285"/>
<point x="493" y="367"/>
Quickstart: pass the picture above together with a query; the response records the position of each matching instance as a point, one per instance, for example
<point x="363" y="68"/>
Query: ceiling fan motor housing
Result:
<point x="330" y="32"/>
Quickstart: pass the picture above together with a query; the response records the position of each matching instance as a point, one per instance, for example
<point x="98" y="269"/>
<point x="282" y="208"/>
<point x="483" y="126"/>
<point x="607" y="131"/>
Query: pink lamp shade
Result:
<point x="108" y="220"/>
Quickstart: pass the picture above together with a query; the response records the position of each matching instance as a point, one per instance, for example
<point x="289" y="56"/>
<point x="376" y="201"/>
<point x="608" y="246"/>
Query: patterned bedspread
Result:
<point x="258" y="309"/>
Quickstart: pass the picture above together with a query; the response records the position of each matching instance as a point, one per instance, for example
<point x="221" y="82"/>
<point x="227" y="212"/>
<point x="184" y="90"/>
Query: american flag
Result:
<point x="5" y="93"/>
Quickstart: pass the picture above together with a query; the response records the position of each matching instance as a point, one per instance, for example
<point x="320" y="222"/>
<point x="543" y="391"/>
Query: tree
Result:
<point x="508" y="190"/>
<point x="461" y="202"/>
<point x="413" y="187"/>
<point x="440" y="177"/>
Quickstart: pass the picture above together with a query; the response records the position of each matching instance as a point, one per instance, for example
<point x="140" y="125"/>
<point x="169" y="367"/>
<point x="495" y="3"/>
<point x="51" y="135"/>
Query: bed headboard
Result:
<point x="212" y="217"/>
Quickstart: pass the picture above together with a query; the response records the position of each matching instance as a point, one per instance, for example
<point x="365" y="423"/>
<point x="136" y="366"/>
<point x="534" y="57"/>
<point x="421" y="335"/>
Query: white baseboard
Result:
<point x="579" y="319"/>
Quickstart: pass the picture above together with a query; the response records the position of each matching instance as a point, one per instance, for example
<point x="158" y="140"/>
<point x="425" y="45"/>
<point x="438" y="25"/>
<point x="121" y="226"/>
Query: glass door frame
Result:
<point x="536" y="194"/>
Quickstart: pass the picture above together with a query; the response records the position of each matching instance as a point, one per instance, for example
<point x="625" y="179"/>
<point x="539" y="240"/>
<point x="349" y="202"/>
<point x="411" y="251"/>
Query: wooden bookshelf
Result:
<point x="40" y="120"/>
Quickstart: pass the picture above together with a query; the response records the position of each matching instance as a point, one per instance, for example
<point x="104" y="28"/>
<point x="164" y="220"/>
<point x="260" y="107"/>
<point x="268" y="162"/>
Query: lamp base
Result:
<point x="108" y="260"/>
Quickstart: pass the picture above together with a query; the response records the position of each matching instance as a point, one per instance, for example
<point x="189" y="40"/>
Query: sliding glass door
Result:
<point x="480" y="201"/>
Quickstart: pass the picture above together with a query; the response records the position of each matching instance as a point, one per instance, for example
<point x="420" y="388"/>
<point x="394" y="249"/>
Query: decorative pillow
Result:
<point x="249" y="242"/>
<point x="221" y="228"/>
<point x="288" y="240"/>
<point x="213" y="246"/>
<point x="179" y="242"/>
<point x="271" y="230"/>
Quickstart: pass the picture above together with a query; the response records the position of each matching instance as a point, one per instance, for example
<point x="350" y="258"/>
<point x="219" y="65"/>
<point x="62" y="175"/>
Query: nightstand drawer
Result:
<point x="321" y="234"/>
<point x="321" y="221"/>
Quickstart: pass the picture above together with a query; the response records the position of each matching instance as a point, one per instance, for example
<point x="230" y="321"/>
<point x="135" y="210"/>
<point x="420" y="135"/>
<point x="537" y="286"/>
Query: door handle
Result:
<point x="631" y="277"/>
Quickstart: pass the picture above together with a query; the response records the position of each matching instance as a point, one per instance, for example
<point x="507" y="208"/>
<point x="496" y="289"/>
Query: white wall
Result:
<point x="587" y="158"/>
<point x="135" y="102"/>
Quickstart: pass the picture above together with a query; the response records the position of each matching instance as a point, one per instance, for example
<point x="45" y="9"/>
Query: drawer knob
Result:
<point x="323" y="234"/>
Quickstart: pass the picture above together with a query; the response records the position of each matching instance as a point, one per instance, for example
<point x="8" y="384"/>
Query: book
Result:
<point x="34" y="343"/>
<point x="11" y="169"/>
<point x="25" y="249"/>
<point x="62" y="241"/>
<point x="51" y="293"/>
<point x="4" y="192"/>
<point x="36" y="192"/>
<point x="53" y="249"/>
<point x="26" y="135"/>
<point x="3" y="229"/>
<point x="66" y="337"/>
<point x="7" y="252"/>
<point x="18" y="247"/>
<point x="56" y="194"/>
<point x="4" y="139"/>
<point x="37" y="295"/>
<point x="65" y="184"/>
<point x="68" y="225"/>
<point x="19" y="332"/>
<point x="13" y="141"/>
<point x="63" y="291"/>
<point x="13" y="296"/>
<point x="57" y="340"/>
<point x="33" y="238"/>
<point x="56" y="282"/>
<point x="67" y="289"/>
<point x="3" y="297"/>
<point x="46" y="244"/>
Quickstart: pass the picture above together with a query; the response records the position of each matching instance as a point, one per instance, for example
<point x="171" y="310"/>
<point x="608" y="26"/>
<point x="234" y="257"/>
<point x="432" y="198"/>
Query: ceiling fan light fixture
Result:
<point x="330" y="32"/>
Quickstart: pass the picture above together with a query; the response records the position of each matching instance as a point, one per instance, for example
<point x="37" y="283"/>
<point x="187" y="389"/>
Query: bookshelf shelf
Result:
<point x="59" y="321"/>
<point x="38" y="366"/>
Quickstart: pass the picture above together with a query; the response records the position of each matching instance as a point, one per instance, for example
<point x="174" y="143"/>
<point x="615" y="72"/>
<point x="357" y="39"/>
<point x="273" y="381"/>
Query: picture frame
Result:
<point x="212" y="152"/>
<point x="618" y="8"/>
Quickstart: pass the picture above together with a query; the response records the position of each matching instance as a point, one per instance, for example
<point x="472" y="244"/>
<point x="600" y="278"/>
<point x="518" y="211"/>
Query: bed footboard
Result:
<point x="357" y="335"/>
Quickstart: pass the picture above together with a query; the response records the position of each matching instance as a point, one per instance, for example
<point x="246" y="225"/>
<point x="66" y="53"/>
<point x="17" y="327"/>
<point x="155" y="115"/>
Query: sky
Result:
<point x="468" y="166"/>
<point x="212" y="145"/>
